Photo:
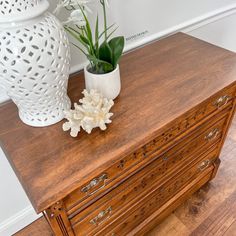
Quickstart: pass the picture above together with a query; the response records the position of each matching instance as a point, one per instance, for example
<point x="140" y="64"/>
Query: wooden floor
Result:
<point x="209" y="212"/>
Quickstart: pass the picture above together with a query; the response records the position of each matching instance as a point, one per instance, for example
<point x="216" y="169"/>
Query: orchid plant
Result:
<point x="102" y="51"/>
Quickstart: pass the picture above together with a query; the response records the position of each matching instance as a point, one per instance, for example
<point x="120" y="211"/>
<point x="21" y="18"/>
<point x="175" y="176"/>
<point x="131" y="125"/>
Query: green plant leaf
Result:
<point x="88" y="28"/>
<point x="117" y="46"/>
<point x="75" y="34"/>
<point x="108" y="28"/>
<point x="112" y="32"/>
<point x="84" y="39"/>
<point x="105" y="52"/>
<point x="80" y="49"/>
<point x="103" y="66"/>
<point x="97" y="37"/>
<point x="88" y="32"/>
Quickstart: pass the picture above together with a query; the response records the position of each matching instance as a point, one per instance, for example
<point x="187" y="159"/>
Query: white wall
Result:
<point x="14" y="205"/>
<point x="222" y="33"/>
<point x="156" y="18"/>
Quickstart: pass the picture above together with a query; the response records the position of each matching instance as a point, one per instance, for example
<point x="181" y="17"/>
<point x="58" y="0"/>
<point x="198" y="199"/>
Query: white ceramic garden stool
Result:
<point x="34" y="61"/>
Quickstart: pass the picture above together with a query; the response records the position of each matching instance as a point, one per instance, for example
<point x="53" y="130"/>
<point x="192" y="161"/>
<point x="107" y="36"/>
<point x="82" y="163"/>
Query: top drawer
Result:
<point x="122" y="169"/>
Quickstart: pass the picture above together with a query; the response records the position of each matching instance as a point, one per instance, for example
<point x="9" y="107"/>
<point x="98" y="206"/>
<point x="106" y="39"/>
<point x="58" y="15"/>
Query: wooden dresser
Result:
<point x="170" y="122"/>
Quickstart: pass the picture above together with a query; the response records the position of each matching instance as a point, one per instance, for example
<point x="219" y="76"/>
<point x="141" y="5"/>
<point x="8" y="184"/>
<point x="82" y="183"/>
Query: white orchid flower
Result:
<point x="71" y="3"/>
<point x="77" y="18"/>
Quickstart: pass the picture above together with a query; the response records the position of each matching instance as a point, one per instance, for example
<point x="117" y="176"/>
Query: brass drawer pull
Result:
<point x="101" y="217"/>
<point x="213" y="134"/>
<point x="94" y="183"/>
<point x="222" y="101"/>
<point x="204" y="165"/>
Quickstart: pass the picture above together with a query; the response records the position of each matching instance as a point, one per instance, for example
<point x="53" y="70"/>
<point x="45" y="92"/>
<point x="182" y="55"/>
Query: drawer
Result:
<point x="134" y="216"/>
<point x="109" y="178"/>
<point x="163" y="168"/>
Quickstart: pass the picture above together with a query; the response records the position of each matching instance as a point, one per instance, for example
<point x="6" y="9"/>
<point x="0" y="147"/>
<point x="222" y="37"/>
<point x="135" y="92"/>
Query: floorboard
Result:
<point x="39" y="227"/>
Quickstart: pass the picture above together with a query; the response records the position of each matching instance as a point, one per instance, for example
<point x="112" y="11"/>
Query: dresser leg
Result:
<point x="216" y="165"/>
<point x="58" y="220"/>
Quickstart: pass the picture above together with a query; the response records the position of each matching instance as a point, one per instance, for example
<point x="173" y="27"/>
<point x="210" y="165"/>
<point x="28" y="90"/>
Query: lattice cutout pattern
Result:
<point x="14" y="7"/>
<point x="34" y="69"/>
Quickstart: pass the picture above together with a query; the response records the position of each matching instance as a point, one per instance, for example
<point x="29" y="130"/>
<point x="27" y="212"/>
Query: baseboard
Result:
<point x="18" y="221"/>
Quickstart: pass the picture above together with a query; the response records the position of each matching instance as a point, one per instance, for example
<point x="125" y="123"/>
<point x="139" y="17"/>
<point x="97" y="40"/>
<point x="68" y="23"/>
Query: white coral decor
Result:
<point x="92" y="113"/>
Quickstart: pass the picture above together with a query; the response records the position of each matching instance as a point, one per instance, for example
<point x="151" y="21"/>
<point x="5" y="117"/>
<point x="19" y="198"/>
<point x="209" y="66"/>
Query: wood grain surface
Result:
<point x="39" y="227"/>
<point x="169" y="77"/>
<point x="210" y="211"/>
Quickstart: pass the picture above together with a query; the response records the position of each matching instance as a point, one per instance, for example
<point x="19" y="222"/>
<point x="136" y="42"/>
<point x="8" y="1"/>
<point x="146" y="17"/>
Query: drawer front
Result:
<point x="135" y="215"/>
<point x="101" y="184"/>
<point x="154" y="174"/>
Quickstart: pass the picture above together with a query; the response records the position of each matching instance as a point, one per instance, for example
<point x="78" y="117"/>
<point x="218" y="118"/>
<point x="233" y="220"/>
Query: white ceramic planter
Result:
<point x="34" y="61"/>
<point x="109" y="85"/>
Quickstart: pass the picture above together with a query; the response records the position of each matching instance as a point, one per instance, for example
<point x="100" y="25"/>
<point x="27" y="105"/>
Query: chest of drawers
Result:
<point x="170" y="123"/>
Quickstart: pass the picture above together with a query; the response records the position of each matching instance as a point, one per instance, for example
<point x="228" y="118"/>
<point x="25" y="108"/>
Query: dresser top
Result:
<point x="160" y="82"/>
